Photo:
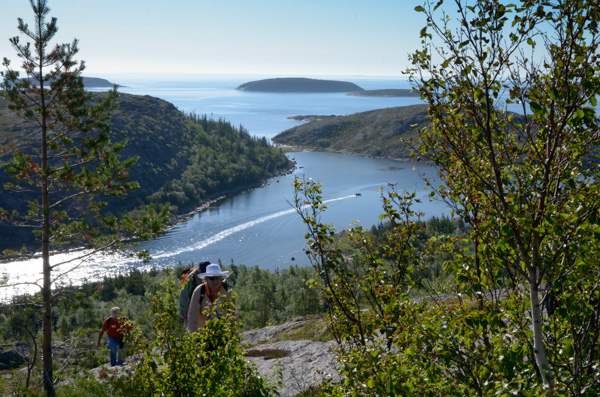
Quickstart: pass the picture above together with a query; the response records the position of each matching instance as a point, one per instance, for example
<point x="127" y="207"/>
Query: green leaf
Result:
<point x="535" y="107"/>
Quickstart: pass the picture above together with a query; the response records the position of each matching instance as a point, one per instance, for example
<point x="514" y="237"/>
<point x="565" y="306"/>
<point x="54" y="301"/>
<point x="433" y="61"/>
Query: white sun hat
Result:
<point x="214" y="270"/>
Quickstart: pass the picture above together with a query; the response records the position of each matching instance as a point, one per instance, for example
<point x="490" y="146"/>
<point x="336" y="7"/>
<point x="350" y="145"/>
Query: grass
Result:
<point x="269" y="354"/>
<point x="315" y="329"/>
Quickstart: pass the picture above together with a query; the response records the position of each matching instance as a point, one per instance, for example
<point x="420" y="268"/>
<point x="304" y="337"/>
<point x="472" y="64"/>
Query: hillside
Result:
<point x="293" y="84"/>
<point x="374" y="133"/>
<point x="183" y="159"/>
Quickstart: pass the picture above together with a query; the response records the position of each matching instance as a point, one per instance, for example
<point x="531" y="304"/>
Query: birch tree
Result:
<point x="512" y="92"/>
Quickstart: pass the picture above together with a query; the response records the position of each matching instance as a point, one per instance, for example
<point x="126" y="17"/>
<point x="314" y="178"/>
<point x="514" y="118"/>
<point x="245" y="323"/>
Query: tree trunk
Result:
<point x="539" y="348"/>
<point x="47" y="285"/>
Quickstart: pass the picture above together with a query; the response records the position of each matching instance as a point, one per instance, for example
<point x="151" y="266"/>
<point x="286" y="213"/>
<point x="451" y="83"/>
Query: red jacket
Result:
<point x="113" y="327"/>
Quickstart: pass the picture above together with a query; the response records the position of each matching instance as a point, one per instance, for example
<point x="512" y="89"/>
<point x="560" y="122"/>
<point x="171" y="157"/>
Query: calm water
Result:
<point x="260" y="227"/>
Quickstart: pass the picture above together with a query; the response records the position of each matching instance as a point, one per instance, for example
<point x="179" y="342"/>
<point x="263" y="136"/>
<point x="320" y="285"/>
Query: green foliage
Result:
<point x="367" y="297"/>
<point x="527" y="184"/>
<point x="268" y="298"/>
<point x="175" y="362"/>
<point x="475" y="341"/>
<point x="218" y="158"/>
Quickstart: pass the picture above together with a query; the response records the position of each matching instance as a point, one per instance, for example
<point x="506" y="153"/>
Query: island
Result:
<point x="299" y="84"/>
<point x="89" y="82"/>
<point x="310" y="117"/>
<point x="96" y="82"/>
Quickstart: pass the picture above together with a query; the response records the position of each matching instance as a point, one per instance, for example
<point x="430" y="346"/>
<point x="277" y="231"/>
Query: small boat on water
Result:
<point x="357" y="194"/>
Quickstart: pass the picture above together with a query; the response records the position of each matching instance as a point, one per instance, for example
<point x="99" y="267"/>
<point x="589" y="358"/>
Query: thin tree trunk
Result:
<point x="47" y="285"/>
<point x="539" y="348"/>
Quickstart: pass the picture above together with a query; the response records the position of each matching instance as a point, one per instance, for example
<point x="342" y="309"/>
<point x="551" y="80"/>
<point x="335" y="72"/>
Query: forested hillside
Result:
<point x="183" y="159"/>
<point x="374" y="133"/>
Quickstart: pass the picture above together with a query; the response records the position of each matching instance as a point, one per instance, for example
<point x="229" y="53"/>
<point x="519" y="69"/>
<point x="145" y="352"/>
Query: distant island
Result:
<point x="310" y="117"/>
<point x="89" y="82"/>
<point x="386" y="93"/>
<point x="96" y="82"/>
<point x="299" y="84"/>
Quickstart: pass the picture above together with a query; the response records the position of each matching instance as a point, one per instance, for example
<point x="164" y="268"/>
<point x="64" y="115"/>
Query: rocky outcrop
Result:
<point x="307" y="365"/>
<point x="300" y="364"/>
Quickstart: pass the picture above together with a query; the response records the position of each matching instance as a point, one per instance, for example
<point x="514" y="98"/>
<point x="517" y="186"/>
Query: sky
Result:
<point x="264" y="37"/>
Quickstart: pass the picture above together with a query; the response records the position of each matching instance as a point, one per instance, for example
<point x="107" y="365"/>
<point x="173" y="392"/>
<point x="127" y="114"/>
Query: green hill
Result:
<point x="374" y="133"/>
<point x="184" y="159"/>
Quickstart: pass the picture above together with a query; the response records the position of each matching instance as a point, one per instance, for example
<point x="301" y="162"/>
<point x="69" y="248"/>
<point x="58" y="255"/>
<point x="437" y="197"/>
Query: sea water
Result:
<point x="259" y="227"/>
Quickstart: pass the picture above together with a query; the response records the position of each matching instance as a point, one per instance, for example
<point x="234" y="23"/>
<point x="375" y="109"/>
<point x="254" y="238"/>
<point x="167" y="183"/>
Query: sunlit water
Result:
<point x="259" y="227"/>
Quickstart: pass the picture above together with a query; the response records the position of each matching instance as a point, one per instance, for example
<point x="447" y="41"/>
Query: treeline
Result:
<point x="219" y="158"/>
<point x="264" y="298"/>
<point x="431" y="233"/>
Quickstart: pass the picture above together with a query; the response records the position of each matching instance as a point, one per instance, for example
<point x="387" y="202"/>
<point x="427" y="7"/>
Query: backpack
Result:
<point x="201" y="269"/>
<point x="186" y="273"/>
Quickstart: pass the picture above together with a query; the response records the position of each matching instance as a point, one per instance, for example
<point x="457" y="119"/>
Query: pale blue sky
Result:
<point x="269" y="37"/>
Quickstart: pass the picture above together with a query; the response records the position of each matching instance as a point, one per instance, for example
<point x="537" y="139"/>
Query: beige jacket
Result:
<point x="196" y="314"/>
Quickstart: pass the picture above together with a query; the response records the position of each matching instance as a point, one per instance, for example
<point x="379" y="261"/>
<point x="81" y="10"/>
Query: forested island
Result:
<point x="184" y="159"/>
<point x="375" y="133"/>
<point x="299" y="84"/>
<point x="90" y="82"/>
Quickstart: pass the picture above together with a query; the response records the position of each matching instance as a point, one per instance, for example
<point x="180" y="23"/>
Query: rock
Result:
<point x="12" y="358"/>
<point x="309" y="364"/>
<point x="267" y="334"/>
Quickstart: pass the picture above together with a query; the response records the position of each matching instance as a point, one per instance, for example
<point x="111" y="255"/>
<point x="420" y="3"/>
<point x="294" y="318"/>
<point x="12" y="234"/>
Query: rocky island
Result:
<point x="298" y="84"/>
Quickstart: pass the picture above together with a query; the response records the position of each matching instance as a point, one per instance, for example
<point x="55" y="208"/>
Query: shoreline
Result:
<point x="176" y="219"/>
<point x="184" y="217"/>
<point x="292" y="148"/>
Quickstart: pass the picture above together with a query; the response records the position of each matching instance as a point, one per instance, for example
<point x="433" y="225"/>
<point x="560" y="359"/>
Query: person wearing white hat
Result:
<point x="209" y="297"/>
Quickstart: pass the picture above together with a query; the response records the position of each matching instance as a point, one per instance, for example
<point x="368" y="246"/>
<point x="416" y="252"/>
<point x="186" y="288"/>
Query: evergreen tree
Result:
<point x="64" y="164"/>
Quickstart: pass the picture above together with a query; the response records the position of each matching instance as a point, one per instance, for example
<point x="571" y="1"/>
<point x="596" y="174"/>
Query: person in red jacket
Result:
<point x="115" y="331"/>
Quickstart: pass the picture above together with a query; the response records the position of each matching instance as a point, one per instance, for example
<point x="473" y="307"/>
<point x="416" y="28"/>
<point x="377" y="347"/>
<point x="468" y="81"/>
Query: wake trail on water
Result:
<point x="235" y="229"/>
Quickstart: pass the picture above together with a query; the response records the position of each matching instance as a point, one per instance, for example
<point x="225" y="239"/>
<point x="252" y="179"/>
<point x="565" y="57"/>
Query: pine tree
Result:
<point x="64" y="163"/>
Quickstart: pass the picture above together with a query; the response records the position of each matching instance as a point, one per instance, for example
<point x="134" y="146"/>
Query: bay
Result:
<point x="259" y="227"/>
